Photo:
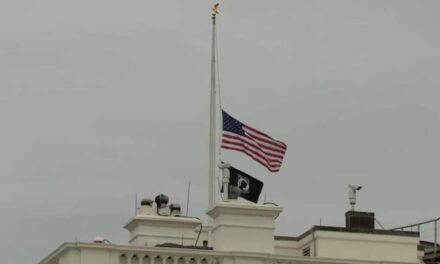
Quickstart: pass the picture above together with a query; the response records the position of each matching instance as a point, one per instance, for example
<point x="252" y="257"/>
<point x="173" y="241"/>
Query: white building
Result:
<point x="241" y="233"/>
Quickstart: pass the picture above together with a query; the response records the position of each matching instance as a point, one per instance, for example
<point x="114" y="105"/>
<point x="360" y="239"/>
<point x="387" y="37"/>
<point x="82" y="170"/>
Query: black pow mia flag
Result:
<point x="248" y="187"/>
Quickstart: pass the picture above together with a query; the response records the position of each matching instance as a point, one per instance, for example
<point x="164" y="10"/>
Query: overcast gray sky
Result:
<point x="101" y="99"/>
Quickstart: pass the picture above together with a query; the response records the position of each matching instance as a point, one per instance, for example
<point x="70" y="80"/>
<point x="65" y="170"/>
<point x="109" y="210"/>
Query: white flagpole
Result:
<point x="212" y="119"/>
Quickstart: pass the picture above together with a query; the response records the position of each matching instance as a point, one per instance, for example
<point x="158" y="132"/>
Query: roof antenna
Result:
<point x="135" y="203"/>
<point x="187" y="198"/>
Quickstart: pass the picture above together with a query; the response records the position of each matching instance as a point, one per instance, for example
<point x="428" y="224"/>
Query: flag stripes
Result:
<point x="259" y="146"/>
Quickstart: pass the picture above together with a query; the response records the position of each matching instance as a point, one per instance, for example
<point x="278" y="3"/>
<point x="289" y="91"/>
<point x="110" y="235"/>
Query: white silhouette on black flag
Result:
<point x="247" y="186"/>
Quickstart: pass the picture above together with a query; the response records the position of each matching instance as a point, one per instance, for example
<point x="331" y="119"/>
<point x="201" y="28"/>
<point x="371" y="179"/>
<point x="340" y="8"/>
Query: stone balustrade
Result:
<point x="92" y="253"/>
<point x="134" y="258"/>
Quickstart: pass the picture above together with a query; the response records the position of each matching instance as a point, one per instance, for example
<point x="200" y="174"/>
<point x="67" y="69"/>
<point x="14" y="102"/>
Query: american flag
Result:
<point x="259" y="146"/>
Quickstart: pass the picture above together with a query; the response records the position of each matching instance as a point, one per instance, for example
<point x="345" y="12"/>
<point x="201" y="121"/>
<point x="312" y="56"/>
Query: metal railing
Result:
<point x="418" y="225"/>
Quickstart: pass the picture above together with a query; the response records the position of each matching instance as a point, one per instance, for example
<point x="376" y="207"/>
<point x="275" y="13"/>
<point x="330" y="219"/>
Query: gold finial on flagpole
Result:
<point x="215" y="10"/>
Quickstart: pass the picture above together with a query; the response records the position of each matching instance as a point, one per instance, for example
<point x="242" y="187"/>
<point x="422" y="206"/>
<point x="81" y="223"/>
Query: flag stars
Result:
<point x="232" y="125"/>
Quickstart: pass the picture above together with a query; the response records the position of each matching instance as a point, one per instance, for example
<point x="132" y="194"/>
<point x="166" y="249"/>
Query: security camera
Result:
<point x="355" y="187"/>
<point x="352" y="189"/>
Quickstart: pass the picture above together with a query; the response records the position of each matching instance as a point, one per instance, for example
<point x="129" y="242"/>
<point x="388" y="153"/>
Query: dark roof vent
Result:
<point x="161" y="200"/>
<point x="147" y="202"/>
<point x="359" y="221"/>
<point x="175" y="206"/>
<point x="175" y="209"/>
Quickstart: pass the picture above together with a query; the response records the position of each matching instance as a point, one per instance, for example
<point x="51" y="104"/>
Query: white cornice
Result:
<point x="272" y="258"/>
<point x="162" y="221"/>
<point x="244" y="209"/>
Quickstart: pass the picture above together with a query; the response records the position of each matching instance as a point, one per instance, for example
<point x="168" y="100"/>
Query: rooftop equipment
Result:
<point x="352" y="189"/>
<point x="147" y="202"/>
<point x="146" y="207"/>
<point x="161" y="200"/>
<point x="175" y="209"/>
<point x="359" y="221"/>
<point x="161" y="204"/>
